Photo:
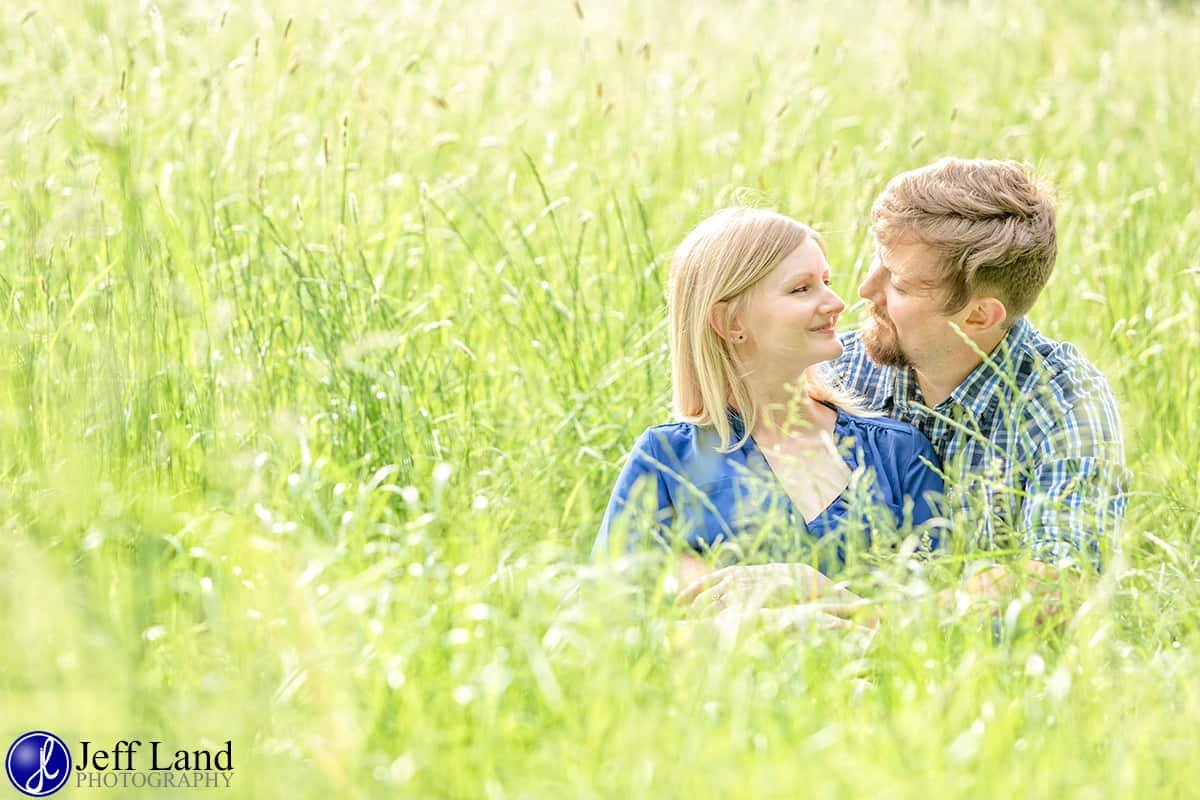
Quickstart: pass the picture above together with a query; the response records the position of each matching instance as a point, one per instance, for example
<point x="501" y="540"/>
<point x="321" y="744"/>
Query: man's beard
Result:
<point x="882" y="344"/>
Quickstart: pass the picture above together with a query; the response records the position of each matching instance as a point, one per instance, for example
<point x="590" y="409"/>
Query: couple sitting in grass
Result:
<point x="947" y="416"/>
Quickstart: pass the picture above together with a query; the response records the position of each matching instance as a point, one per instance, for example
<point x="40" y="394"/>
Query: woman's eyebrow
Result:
<point x="806" y="274"/>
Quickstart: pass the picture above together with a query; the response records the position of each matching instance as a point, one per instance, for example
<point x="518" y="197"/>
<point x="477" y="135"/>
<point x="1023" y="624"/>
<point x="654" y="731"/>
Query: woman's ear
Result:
<point x="725" y="324"/>
<point x="718" y="316"/>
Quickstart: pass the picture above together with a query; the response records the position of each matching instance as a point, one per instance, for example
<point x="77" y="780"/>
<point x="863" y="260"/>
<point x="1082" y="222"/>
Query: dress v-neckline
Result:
<point x="839" y="427"/>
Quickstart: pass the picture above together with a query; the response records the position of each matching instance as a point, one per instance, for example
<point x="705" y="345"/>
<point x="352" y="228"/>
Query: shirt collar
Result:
<point x="984" y="382"/>
<point x="903" y="389"/>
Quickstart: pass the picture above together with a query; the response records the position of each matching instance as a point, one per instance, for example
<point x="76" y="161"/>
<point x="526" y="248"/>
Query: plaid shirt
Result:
<point x="1030" y="443"/>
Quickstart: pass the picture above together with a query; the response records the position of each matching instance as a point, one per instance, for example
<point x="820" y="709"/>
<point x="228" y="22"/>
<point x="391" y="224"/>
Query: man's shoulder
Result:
<point x="1072" y="398"/>
<point x="1064" y="369"/>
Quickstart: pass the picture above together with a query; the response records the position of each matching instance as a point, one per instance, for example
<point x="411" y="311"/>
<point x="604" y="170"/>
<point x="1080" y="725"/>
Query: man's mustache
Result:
<point x="878" y="317"/>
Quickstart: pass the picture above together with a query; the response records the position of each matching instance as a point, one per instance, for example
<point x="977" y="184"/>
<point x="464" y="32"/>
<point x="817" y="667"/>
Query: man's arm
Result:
<point x="1077" y="497"/>
<point x="1053" y="593"/>
<point x="1076" y="510"/>
<point x="1070" y="517"/>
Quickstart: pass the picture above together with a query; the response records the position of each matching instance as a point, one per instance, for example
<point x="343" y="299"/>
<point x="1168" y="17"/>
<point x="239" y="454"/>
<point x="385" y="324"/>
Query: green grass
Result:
<point x="263" y="270"/>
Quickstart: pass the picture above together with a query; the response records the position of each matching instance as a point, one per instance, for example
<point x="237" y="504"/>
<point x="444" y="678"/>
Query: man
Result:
<point x="1027" y="430"/>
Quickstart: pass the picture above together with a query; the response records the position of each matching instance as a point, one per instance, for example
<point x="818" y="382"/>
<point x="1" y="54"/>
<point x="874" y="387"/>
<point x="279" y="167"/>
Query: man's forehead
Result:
<point x="907" y="257"/>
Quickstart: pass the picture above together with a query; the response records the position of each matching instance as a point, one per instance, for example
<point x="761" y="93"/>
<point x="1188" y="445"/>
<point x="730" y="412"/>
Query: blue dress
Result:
<point x="676" y="483"/>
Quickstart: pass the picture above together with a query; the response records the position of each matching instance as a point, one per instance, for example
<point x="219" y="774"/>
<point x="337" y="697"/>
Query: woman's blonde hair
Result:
<point x="720" y="261"/>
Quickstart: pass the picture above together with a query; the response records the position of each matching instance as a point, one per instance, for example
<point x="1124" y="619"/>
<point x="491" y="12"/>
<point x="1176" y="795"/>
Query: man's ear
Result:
<point x="726" y="324"/>
<point x="986" y="313"/>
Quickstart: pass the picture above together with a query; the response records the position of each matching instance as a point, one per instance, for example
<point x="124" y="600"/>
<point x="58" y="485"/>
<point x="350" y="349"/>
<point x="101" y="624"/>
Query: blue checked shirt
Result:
<point x="1030" y="443"/>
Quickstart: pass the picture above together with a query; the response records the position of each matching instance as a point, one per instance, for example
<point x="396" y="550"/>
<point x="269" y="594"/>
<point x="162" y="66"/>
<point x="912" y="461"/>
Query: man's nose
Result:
<point x="869" y="288"/>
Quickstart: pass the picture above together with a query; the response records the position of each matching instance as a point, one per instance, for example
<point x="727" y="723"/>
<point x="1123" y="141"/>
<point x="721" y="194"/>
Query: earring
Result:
<point x="741" y="337"/>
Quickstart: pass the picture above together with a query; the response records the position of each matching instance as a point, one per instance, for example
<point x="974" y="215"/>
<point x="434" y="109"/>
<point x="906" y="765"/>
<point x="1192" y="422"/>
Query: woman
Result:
<point x="766" y="458"/>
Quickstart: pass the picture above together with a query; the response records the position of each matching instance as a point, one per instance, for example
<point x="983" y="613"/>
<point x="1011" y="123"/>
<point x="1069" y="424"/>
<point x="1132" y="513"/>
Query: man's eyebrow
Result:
<point x="891" y="269"/>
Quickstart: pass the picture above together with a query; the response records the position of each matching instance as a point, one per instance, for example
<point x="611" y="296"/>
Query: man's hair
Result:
<point x="720" y="261"/>
<point x="992" y="222"/>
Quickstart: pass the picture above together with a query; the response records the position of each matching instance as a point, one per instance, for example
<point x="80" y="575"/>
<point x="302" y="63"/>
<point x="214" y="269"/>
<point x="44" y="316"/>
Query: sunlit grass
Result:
<point x="326" y="327"/>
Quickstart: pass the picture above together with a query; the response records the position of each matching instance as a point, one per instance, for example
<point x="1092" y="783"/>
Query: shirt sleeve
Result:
<point x="1080" y="485"/>
<point x="640" y="502"/>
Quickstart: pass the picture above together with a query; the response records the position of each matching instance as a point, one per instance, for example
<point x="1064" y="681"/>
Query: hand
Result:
<point x="767" y="585"/>
<point x="992" y="589"/>
<point x="804" y="616"/>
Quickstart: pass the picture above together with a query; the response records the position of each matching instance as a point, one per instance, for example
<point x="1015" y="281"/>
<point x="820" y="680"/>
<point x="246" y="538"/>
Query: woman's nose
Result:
<point x="834" y="304"/>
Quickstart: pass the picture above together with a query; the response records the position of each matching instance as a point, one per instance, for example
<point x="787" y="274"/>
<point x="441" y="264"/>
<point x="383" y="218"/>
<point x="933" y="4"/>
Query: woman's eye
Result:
<point x="800" y="289"/>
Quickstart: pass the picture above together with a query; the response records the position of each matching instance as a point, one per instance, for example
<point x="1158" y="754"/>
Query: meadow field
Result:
<point x="326" y="328"/>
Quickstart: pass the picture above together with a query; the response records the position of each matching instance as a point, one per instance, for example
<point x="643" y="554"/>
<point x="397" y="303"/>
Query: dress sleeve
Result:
<point x="923" y="484"/>
<point x="640" y="502"/>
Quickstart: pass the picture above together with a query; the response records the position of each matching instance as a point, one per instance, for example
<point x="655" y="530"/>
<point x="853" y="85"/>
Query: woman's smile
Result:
<point x="826" y="330"/>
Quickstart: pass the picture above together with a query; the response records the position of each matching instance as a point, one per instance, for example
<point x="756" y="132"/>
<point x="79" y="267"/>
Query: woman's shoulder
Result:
<point x="876" y="422"/>
<point x="669" y="436"/>
<point x="684" y="450"/>
<point x="885" y="431"/>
